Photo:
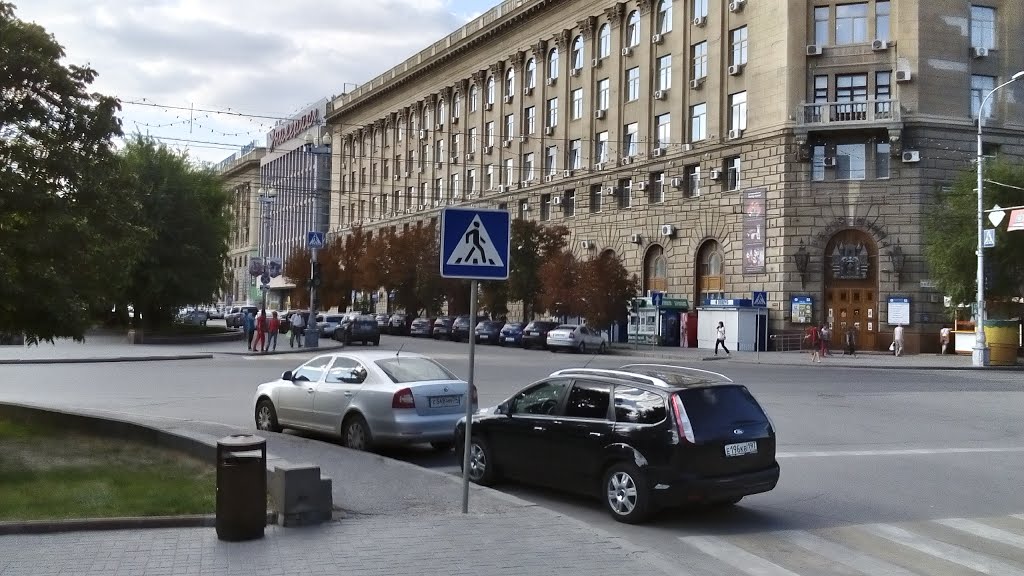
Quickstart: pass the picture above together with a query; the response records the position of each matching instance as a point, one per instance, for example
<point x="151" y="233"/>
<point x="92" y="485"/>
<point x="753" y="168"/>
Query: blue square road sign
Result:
<point x="759" y="300"/>
<point x="315" y="240"/>
<point x="475" y="243"/>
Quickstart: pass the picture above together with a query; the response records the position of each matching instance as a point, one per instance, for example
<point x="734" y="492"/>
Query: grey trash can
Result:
<point x="241" y="487"/>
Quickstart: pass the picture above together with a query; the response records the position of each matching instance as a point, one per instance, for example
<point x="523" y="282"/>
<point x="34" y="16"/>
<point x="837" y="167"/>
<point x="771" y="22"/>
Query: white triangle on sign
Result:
<point x="475" y="248"/>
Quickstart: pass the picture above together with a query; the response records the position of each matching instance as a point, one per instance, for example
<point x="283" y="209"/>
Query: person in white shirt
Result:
<point x="944" y="338"/>
<point x="720" y="339"/>
<point x="897" y="340"/>
<point x="298" y="323"/>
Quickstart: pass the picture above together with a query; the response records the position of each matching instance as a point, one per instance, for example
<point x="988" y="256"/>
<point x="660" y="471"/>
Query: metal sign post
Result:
<point x="475" y="245"/>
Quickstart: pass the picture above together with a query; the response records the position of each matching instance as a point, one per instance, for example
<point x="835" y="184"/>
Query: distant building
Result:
<point x="718" y="148"/>
<point x="241" y="175"/>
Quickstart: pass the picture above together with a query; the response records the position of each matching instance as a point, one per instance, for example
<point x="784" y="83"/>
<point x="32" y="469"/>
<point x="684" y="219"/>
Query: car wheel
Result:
<point x="481" y="470"/>
<point x="601" y="348"/>
<point x="355" y="433"/>
<point x="266" y="416"/>
<point x="583" y="348"/>
<point x="442" y="446"/>
<point x="376" y="342"/>
<point x="626" y="494"/>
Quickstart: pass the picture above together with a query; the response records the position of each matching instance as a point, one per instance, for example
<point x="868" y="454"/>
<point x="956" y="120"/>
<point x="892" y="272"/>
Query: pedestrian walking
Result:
<point x="273" y="327"/>
<point x="248" y="324"/>
<point x="720" y="339"/>
<point x="259" y="343"/>
<point x="298" y="322"/>
<point x="813" y="338"/>
<point x="944" y="339"/>
<point x="851" y="341"/>
<point x="897" y="340"/>
<point x="826" y="340"/>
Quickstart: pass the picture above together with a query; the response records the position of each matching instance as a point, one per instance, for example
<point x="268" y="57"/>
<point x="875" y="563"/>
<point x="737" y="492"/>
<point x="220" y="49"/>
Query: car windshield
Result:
<point x="567" y="327"/>
<point x="402" y="370"/>
<point x="676" y="375"/>
<point x="334" y="319"/>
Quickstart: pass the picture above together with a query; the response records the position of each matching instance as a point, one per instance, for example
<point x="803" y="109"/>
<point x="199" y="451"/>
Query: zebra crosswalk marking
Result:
<point x="736" y="557"/>
<point x="984" y="531"/>
<point x="864" y="563"/>
<point x="948" y="552"/>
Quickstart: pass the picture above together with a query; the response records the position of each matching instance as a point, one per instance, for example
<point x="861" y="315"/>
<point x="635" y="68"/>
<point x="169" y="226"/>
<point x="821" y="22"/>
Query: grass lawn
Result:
<point x="47" y="473"/>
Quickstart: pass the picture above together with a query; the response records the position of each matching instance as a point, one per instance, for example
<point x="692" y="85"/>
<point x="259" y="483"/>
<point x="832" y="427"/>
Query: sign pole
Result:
<point x="469" y="396"/>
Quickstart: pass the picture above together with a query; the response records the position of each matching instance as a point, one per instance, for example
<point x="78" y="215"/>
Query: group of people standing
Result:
<point x="819" y="339"/>
<point x="261" y="332"/>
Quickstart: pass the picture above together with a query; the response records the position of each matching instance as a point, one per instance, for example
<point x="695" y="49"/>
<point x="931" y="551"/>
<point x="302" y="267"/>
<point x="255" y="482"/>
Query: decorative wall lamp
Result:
<point x="802" y="258"/>
<point x="899" y="260"/>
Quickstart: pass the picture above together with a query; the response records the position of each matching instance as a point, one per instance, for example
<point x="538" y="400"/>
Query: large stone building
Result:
<point x="241" y="175"/>
<point x="718" y="147"/>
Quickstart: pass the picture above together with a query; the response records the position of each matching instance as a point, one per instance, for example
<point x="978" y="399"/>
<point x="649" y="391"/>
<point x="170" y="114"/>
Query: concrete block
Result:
<point x="301" y="495"/>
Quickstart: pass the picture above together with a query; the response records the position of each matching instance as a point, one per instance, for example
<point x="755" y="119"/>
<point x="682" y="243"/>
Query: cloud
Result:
<point x="261" y="56"/>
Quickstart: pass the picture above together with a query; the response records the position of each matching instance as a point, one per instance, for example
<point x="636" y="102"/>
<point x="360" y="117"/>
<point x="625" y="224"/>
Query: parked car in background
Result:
<point x="368" y="399"/>
<point x="463" y="325"/>
<point x="234" y="319"/>
<point x="489" y="331"/>
<point x="511" y="334"/>
<point x="535" y="334"/>
<point x="443" y="327"/>
<point x="285" y="320"/>
<point x="639" y="438"/>
<point x="195" y="318"/>
<point x="422" y="327"/>
<point x="576" y="338"/>
<point x="362" y="328"/>
<point x="215" y="312"/>
<point x="329" y="323"/>
<point x="398" y="324"/>
<point x="382" y="322"/>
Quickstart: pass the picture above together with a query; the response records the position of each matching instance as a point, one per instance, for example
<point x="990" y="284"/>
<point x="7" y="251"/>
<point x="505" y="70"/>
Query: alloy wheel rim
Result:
<point x="263" y="418"/>
<point x="622" y="493"/>
<point x="355" y="438"/>
<point x="477" y="462"/>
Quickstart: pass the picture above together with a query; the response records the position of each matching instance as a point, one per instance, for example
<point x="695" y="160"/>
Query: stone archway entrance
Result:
<point x="851" y="288"/>
<point x="655" y="270"/>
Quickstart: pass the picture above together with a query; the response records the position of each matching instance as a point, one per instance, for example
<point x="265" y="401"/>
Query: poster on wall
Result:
<point x="801" y="310"/>
<point x="899" y="310"/>
<point x="754" y="222"/>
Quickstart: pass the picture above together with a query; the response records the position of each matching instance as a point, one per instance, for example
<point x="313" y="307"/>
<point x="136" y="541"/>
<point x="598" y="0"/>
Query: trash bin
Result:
<point x="241" y="487"/>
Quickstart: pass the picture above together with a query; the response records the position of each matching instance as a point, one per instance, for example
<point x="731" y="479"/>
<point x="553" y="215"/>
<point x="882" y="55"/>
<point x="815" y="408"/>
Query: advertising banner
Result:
<point x="754" y="222"/>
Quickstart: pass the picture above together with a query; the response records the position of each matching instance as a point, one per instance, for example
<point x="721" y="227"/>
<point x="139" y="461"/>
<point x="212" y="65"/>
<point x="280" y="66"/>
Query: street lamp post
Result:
<point x="267" y="197"/>
<point x="980" y="353"/>
<point x="316" y="147"/>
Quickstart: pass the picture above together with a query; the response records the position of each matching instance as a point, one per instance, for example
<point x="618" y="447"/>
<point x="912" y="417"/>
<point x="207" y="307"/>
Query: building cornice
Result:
<point x="505" y="17"/>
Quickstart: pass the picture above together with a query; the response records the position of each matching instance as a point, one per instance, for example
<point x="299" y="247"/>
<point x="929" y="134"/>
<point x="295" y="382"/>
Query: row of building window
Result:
<point x="852" y="24"/>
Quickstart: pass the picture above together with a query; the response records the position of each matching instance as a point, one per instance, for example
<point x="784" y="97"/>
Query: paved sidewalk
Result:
<point x="400" y="519"/>
<point x="877" y="360"/>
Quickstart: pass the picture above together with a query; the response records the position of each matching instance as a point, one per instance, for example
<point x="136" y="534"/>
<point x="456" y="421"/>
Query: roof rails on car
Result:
<point x="673" y="367"/>
<point x="615" y="373"/>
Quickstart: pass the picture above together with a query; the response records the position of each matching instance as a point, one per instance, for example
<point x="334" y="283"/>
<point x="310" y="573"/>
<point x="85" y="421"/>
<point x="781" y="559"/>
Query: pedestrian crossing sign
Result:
<point x="315" y="240"/>
<point x="475" y="243"/>
<point x="760" y="299"/>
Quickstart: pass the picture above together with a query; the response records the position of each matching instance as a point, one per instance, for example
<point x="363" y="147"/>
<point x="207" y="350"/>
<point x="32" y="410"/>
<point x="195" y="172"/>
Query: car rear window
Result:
<point x="566" y="327"/>
<point x="716" y="407"/>
<point x="366" y="323"/>
<point x="334" y="318"/>
<point x="413" y="369"/>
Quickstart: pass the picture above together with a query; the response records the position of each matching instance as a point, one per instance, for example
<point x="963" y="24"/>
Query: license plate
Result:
<point x="484" y="336"/>
<point x="445" y="401"/>
<point x="741" y="449"/>
<point x="510" y="339"/>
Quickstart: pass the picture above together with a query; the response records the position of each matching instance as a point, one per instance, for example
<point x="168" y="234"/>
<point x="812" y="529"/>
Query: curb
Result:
<point x="102" y="359"/>
<point x="745" y="360"/>
<point x="122" y="523"/>
<point x="284" y="352"/>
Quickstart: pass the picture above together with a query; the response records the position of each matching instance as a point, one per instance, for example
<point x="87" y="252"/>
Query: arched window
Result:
<point x="510" y="82"/>
<point x="531" y="74"/>
<point x="553" y="63"/>
<point x="633" y="29"/>
<point x="424" y="118"/>
<point x="440" y="116"/>
<point x="474" y="97"/>
<point x="710" y="282"/>
<point x="604" y="37"/>
<point x="490" y="90"/>
<point x="656" y="269"/>
<point x="665" y="16"/>
<point x="577" y="53"/>
<point x="456" y="105"/>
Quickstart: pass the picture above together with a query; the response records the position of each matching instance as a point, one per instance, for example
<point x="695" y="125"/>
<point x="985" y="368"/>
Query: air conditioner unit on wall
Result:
<point x="736" y="5"/>
<point x="635" y="238"/>
<point x="879" y="45"/>
<point x="660" y="94"/>
<point x="715" y="174"/>
<point x="911" y="156"/>
<point x="735" y="69"/>
<point x="979" y="52"/>
<point x="556" y="200"/>
<point x="656" y="39"/>
<point x="903" y="75"/>
<point x="641" y="186"/>
<point x="699" y="20"/>
<point x="668" y="230"/>
<point x="658" y="152"/>
<point x="814" y="50"/>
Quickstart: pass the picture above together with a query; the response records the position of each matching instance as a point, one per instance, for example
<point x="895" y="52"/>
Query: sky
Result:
<point x="261" y="57"/>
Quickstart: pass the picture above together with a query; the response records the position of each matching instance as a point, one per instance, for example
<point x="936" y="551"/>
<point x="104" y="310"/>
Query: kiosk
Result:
<point x="744" y="324"/>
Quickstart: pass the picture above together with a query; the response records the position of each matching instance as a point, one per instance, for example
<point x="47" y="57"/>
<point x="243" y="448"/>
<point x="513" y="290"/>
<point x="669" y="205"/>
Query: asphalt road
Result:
<point x="857" y="446"/>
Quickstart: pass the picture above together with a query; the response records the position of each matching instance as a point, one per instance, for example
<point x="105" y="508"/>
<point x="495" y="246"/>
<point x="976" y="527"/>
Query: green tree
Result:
<point x="532" y="245"/>
<point x="605" y="288"/>
<point x="951" y="238"/>
<point x="183" y="208"/>
<point x="69" y="230"/>
<point x="561" y="276"/>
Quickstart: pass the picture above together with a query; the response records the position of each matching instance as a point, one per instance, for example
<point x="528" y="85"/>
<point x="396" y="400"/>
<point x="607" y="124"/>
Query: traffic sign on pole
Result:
<point x="989" y="238"/>
<point x="760" y="299"/>
<point x="315" y="240"/>
<point x="475" y="243"/>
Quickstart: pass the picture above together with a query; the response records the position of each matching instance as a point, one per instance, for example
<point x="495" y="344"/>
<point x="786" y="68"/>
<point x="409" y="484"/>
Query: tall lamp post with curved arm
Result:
<point x="980" y="353"/>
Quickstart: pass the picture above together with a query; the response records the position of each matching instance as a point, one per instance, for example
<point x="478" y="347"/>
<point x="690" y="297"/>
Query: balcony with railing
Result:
<point x="843" y="115"/>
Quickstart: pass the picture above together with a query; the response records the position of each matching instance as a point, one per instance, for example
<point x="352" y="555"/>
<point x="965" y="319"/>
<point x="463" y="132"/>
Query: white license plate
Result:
<point x="510" y="339"/>
<point x="741" y="449"/>
<point x="445" y="401"/>
<point x="484" y="336"/>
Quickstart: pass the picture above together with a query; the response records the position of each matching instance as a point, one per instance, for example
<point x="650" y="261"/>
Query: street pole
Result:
<point x="980" y="353"/>
<point x="469" y="397"/>
<point x="316" y="150"/>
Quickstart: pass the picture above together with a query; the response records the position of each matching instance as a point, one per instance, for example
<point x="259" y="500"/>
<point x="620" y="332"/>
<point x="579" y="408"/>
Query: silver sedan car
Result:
<point x="576" y="338"/>
<point x="367" y="399"/>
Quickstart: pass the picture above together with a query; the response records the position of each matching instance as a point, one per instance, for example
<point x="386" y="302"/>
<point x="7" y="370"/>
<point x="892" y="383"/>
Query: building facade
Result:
<point x="719" y="148"/>
<point x="295" y="172"/>
<point x="241" y="175"/>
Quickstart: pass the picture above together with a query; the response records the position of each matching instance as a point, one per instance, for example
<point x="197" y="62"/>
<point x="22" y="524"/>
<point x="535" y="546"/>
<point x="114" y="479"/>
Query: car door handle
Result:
<point x="310" y="390"/>
<point x="348" y="393"/>
<point x="598" y="434"/>
<point x="539" y="428"/>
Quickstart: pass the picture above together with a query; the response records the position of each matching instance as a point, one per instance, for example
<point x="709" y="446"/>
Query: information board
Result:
<point x="899" y="310"/>
<point x="802" y="310"/>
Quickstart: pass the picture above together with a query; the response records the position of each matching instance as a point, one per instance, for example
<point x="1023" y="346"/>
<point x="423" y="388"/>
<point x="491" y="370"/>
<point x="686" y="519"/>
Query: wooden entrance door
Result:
<point x="855" y="307"/>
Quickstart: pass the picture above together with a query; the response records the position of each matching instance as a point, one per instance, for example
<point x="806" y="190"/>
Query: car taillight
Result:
<point x="403" y="399"/>
<point x="572" y="335"/>
<point x="472" y="394"/>
<point x="682" y="419"/>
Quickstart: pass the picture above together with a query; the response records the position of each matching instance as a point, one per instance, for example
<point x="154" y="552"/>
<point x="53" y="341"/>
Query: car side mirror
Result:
<point x="503" y="408"/>
<point x="287" y="375"/>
